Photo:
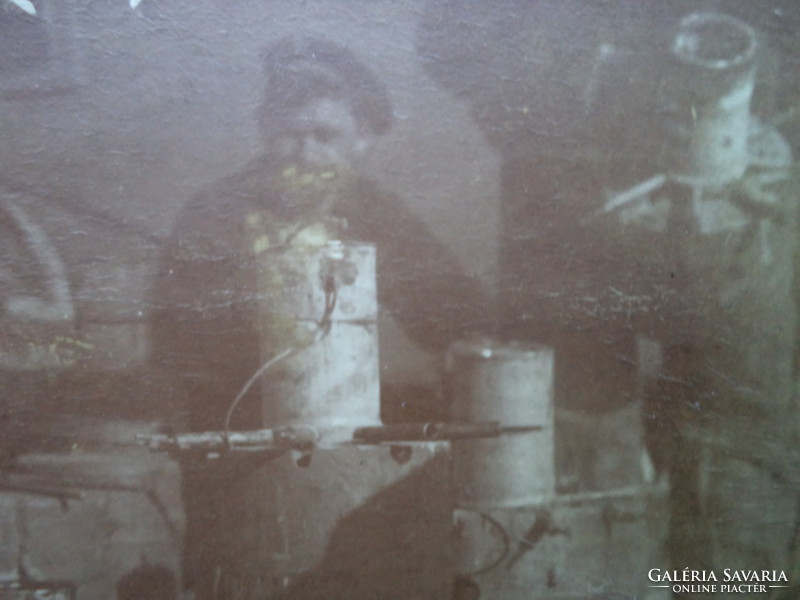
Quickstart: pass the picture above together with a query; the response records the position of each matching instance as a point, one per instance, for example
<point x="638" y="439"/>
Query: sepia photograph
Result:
<point x="399" y="300"/>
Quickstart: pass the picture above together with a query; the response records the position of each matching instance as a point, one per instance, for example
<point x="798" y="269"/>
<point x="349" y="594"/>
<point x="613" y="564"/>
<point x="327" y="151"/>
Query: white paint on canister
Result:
<point x="322" y="301"/>
<point x="512" y="384"/>
<point x="718" y="53"/>
<point x="719" y="142"/>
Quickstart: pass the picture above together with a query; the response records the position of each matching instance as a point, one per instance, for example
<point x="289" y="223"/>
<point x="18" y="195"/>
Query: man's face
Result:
<point x="322" y="135"/>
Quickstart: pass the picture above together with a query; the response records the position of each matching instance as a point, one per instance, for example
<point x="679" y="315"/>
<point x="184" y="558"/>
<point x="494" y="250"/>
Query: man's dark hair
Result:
<point x="300" y="70"/>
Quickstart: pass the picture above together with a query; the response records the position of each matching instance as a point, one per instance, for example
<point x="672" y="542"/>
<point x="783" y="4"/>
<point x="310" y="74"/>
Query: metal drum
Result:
<point x="87" y="512"/>
<point x="512" y="384"/>
<point x="318" y="311"/>
<point x="715" y="76"/>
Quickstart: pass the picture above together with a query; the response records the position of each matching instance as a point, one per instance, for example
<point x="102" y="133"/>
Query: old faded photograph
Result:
<point x="399" y="300"/>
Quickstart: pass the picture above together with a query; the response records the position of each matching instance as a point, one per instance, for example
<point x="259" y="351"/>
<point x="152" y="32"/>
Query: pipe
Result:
<point x="715" y="56"/>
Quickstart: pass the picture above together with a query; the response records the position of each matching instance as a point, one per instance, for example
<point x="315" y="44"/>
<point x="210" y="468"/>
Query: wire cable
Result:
<point x="263" y="369"/>
<point x="323" y="328"/>
<point x="506" y="541"/>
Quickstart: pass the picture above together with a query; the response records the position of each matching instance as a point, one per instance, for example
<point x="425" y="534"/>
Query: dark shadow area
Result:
<point x="397" y="544"/>
<point x="148" y="582"/>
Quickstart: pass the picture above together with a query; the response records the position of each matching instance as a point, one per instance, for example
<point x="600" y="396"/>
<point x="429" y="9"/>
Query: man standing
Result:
<point x="321" y="112"/>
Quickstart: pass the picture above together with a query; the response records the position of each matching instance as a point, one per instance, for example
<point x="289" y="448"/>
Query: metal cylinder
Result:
<point x="319" y="304"/>
<point x="512" y="384"/>
<point x="716" y="63"/>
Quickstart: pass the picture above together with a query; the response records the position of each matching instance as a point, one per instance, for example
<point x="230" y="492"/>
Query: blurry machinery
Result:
<point x="326" y="502"/>
<point x="519" y="535"/>
<point x="84" y="509"/>
<point x="86" y="512"/>
<point x="715" y="56"/>
<point x="341" y="506"/>
<point x="725" y="203"/>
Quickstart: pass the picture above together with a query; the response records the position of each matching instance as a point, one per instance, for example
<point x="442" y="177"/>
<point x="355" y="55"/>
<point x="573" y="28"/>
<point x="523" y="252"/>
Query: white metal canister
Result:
<point x="716" y="58"/>
<point x="319" y="304"/>
<point x="513" y="384"/>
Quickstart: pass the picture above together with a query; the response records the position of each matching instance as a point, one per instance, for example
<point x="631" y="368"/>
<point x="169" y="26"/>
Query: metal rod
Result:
<point x="306" y="438"/>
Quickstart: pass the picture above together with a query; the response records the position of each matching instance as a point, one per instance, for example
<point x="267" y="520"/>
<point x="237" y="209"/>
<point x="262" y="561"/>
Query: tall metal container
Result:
<point x="714" y="78"/>
<point x="346" y="521"/>
<point x="318" y="303"/>
<point x="512" y="384"/>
